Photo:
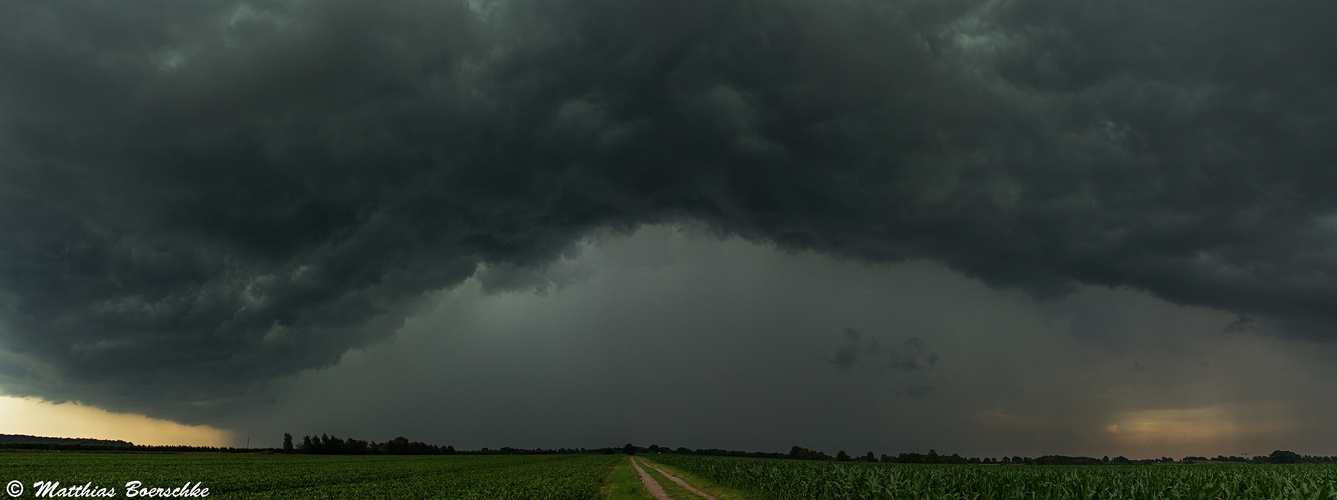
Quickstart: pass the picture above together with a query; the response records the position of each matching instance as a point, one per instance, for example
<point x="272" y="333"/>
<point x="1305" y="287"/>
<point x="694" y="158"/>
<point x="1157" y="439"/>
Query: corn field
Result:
<point x="798" y="479"/>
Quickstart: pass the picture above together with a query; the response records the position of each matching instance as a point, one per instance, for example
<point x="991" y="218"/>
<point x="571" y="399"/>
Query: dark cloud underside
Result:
<point x="196" y="197"/>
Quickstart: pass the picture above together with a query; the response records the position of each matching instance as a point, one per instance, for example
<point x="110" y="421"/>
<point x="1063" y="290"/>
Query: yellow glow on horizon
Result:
<point x="36" y="417"/>
<point x="1173" y="426"/>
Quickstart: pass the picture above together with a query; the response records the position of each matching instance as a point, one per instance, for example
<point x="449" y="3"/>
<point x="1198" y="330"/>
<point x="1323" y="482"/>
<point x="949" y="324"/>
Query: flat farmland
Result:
<point x="93" y="475"/>
<point x="801" y="479"/>
<point x="318" y="476"/>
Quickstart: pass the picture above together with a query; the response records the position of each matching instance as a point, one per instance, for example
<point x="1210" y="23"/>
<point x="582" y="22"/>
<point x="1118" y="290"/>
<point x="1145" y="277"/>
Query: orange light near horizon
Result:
<point x="1200" y="425"/>
<point x="36" y="417"/>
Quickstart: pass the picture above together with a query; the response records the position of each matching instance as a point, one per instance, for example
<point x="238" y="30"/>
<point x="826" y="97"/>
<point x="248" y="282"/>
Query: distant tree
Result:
<point x="629" y="449"/>
<point x="842" y="456"/>
<point x="869" y="457"/>
<point x="1105" y="459"/>
<point x="355" y="447"/>
<point x="1283" y="457"/>
<point x="801" y="453"/>
<point x="398" y="446"/>
<point x="287" y="443"/>
<point x="1061" y="460"/>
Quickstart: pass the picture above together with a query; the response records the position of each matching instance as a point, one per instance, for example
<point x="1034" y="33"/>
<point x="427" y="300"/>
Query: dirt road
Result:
<point x="650" y="484"/>
<point x="658" y="491"/>
<point x="682" y="483"/>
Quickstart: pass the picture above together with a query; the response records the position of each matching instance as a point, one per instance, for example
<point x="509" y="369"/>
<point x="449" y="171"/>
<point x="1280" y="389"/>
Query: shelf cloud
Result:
<point x="197" y="198"/>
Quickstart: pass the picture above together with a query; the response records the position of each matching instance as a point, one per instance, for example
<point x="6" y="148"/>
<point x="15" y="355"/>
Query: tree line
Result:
<point x="933" y="457"/>
<point x="325" y="444"/>
<point x="331" y="445"/>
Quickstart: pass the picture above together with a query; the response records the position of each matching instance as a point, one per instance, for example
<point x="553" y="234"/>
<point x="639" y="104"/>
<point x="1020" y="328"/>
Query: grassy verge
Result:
<point x="715" y="490"/>
<point x="623" y="483"/>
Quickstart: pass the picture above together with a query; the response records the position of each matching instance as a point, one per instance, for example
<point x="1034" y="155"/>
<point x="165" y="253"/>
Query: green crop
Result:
<point x="321" y="476"/>
<point x="797" y="479"/>
<point x="581" y="476"/>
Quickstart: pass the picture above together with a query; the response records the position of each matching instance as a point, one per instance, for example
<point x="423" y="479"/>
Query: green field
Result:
<point x="322" y="476"/>
<point x="785" y="479"/>
<point x="610" y="476"/>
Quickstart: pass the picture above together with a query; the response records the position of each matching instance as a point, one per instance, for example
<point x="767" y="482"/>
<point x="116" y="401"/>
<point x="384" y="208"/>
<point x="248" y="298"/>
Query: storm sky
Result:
<point x="985" y="227"/>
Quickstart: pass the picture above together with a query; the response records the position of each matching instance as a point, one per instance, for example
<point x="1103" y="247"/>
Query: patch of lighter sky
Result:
<point x="37" y="417"/>
<point x="1175" y="426"/>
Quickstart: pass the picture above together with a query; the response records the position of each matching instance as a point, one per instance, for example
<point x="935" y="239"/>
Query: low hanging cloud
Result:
<point x="913" y="356"/>
<point x="853" y="348"/>
<point x="196" y="198"/>
<point x="906" y="363"/>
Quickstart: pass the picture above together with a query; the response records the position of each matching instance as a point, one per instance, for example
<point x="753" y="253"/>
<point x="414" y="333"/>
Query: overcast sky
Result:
<point x="985" y="227"/>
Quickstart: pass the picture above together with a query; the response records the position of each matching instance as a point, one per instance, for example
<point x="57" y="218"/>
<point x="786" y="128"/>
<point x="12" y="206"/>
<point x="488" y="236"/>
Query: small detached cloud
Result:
<point x="912" y="356"/>
<point x="905" y="364"/>
<point x="1241" y="324"/>
<point x="853" y="348"/>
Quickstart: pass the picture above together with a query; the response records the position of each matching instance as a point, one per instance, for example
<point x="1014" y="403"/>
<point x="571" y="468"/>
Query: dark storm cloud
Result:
<point x="1242" y="324"/>
<point x="853" y="348"/>
<point x="913" y="356"/>
<point x="195" y="197"/>
<point x="907" y="362"/>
